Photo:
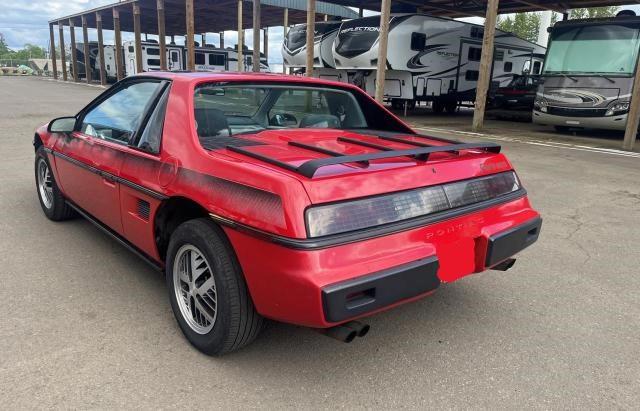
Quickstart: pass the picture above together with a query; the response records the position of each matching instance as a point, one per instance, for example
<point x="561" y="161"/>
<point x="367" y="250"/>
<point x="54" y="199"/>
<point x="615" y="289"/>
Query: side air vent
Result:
<point x="144" y="209"/>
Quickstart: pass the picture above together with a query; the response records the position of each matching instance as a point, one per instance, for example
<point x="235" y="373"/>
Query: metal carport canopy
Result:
<point x="466" y="8"/>
<point x="210" y="15"/>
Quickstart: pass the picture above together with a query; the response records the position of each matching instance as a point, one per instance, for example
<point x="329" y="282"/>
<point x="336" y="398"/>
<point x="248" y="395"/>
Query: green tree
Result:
<point x="4" y="49"/>
<point x="593" y="12"/>
<point x="523" y="25"/>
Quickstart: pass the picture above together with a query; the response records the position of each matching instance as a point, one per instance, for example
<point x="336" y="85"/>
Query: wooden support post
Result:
<point x="285" y="29"/>
<point x="256" y="36"/>
<point x="162" y="37"/>
<point x="486" y="64"/>
<point x="383" y="38"/>
<point x="221" y="34"/>
<point x="631" y="131"/>
<point x="240" y="38"/>
<point x="74" y="52"/>
<point x="52" y="53"/>
<point x="191" y="51"/>
<point x="137" y="37"/>
<point x="265" y="43"/>
<point x="63" y="55"/>
<point x="118" y="44"/>
<point x="311" y="28"/>
<point x="103" y="71"/>
<point x="85" y="50"/>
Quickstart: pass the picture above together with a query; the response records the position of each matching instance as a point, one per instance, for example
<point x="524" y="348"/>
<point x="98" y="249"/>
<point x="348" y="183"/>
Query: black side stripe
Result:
<point x="109" y="176"/>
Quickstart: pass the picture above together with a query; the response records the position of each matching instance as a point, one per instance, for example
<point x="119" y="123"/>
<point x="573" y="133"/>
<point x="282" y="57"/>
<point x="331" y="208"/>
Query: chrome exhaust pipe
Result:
<point x="360" y="328"/>
<point x="505" y="265"/>
<point x="340" y="333"/>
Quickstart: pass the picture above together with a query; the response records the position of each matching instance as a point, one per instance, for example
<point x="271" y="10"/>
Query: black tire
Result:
<point x="450" y="107"/>
<point x="236" y="322"/>
<point x="437" y="106"/>
<point x="57" y="209"/>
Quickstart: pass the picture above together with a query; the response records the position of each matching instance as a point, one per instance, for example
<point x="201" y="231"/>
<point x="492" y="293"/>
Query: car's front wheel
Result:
<point x="52" y="201"/>
<point x="208" y="294"/>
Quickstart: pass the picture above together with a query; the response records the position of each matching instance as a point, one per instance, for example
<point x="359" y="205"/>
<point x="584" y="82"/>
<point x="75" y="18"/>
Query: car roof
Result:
<point x="212" y="76"/>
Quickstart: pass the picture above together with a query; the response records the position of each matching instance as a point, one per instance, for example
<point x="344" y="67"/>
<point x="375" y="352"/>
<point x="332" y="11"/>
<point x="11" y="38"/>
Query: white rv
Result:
<point x="294" y="50"/>
<point x="210" y="57"/>
<point x="151" y="57"/>
<point x="429" y="58"/>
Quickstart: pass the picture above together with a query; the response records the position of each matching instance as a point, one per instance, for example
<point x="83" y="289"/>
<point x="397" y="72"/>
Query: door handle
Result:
<point x="109" y="179"/>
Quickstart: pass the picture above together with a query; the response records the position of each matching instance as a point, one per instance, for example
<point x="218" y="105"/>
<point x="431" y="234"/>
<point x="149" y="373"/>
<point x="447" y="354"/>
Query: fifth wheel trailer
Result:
<point x="294" y="49"/>
<point x="430" y="58"/>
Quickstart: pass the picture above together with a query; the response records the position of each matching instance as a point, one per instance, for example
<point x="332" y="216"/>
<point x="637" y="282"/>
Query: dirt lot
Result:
<point x="85" y="324"/>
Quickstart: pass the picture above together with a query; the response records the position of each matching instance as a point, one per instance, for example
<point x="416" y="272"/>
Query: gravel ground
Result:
<point x="88" y="325"/>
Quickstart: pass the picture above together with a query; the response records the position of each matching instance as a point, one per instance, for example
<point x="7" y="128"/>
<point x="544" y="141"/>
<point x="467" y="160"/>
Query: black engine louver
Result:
<point x="144" y="209"/>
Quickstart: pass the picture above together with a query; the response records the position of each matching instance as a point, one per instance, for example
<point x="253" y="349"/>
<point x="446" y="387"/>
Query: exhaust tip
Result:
<point x="340" y="333"/>
<point x="360" y="328"/>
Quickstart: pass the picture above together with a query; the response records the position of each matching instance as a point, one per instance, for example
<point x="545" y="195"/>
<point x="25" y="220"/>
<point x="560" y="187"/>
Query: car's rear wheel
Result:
<point x="52" y="201"/>
<point x="208" y="294"/>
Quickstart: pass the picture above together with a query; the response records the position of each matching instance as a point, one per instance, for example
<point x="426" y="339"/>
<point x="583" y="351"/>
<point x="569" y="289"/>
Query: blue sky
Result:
<point x="26" y="22"/>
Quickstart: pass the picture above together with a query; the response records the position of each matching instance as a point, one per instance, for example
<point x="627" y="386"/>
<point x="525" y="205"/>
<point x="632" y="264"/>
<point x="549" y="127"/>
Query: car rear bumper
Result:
<point x="324" y="287"/>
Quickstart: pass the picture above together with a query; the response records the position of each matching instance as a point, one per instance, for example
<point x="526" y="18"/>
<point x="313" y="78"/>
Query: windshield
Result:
<point x="357" y="36"/>
<point x="226" y="110"/>
<point x="599" y="49"/>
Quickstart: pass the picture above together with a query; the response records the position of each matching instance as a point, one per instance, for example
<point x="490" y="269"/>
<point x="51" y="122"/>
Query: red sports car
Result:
<point x="288" y="198"/>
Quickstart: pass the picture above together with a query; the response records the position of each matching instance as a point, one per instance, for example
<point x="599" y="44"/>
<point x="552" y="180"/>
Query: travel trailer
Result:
<point x="210" y="57"/>
<point x="151" y="57"/>
<point x="429" y="58"/>
<point x="294" y="48"/>
<point x="93" y="53"/>
<point x="588" y="74"/>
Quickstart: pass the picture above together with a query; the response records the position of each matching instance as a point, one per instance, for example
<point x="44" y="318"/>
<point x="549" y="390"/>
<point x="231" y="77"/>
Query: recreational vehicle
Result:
<point x="210" y="57"/>
<point x="93" y="53"/>
<point x="588" y="74"/>
<point x="429" y="58"/>
<point x="151" y="57"/>
<point x="294" y="49"/>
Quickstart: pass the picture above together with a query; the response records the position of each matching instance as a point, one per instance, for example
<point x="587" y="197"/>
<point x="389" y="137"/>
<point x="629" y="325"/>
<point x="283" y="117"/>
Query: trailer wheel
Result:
<point x="451" y="106"/>
<point x="437" y="106"/>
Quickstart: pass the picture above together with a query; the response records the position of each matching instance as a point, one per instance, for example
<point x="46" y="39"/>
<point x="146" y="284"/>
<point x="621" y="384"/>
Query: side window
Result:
<point x="199" y="58"/>
<point x="217" y="59"/>
<point x="119" y="116"/>
<point x="418" y="41"/>
<point x="498" y="55"/>
<point x="474" y="53"/>
<point x="508" y="67"/>
<point x="152" y="134"/>
<point x="153" y="62"/>
<point x="472" y="75"/>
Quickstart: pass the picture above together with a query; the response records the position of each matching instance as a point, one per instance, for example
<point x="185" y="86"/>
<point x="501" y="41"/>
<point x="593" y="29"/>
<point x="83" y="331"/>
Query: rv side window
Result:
<point x="508" y="67"/>
<point x="130" y="49"/>
<point x="499" y="55"/>
<point x="199" y="58"/>
<point x="217" y="59"/>
<point x="418" y="41"/>
<point x="153" y="62"/>
<point x="152" y="51"/>
<point x="474" y="53"/>
<point x="472" y="75"/>
<point x="477" y="32"/>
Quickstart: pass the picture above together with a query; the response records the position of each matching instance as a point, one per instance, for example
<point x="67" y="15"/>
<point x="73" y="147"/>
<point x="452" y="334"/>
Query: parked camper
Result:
<point x="294" y="49"/>
<point x="588" y="74"/>
<point x="429" y="58"/>
<point x="93" y="53"/>
<point x="210" y="57"/>
<point x="151" y="57"/>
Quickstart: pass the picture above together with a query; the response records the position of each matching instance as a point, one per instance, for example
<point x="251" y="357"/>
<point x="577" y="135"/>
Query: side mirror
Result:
<point x="62" y="125"/>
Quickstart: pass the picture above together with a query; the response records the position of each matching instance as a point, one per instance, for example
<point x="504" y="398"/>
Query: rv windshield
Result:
<point x="599" y="49"/>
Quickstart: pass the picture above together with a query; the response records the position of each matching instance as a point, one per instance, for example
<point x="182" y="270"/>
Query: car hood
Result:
<point x="283" y="150"/>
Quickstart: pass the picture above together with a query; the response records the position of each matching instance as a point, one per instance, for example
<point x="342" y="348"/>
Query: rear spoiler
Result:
<point x="309" y="168"/>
